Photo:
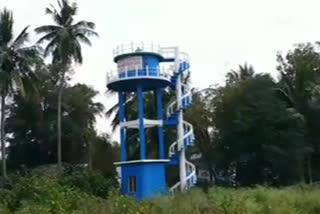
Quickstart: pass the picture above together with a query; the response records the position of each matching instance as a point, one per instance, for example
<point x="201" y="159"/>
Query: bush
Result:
<point x="4" y="209"/>
<point x="88" y="181"/>
<point x="79" y="193"/>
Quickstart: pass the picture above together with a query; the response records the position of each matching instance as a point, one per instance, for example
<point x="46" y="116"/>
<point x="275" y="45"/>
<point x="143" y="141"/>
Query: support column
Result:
<point x="143" y="153"/>
<point x="182" y="159"/>
<point x="123" y="143"/>
<point x="159" y="105"/>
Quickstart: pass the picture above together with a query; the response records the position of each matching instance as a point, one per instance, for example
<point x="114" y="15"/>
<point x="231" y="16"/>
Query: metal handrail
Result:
<point x="136" y="47"/>
<point x="174" y="148"/>
<point x="179" y="144"/>
<point x="133" y="47"/>
<point x="173" y="106"/>
<point x="137" y="73"/>
<point x="190" y="168"/>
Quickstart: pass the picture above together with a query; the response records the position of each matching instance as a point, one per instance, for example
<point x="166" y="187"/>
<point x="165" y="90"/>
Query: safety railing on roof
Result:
<point x="147" y="72"/>
<point x="165" y="52"/>
<point x="136" y="47"/>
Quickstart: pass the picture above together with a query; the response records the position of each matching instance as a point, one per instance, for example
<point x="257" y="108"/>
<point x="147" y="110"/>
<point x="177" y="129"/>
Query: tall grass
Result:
<point x="33" y="195"/>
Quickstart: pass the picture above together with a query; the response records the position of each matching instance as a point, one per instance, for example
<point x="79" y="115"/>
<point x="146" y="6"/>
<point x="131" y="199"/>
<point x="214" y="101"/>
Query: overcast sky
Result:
<point x="218" y="34"/>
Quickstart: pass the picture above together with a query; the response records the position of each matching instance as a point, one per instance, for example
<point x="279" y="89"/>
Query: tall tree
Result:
<point x="31" y="124"/>
<point x="16" y="68"/>
<point x="298" y="87"/>
<point x="64" y="40"/>
<point x="81" y="115"/>
<point x="257" y="136"/>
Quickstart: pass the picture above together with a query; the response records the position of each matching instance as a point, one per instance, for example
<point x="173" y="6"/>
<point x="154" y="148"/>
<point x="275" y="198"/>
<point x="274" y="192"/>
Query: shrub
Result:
<point x="90" y="182"/>
<point x="4" y="209"/>
<point x="80" y="193"/>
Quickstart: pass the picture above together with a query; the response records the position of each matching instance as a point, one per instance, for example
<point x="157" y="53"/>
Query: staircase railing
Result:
<point x="191" y="176"/>
<point x="172" y="108"/>
<point x="188" y="136"/>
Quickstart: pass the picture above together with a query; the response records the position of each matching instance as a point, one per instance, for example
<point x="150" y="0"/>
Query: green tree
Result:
<point x="82" y="112"/>
<point x="258" y="138"/>
<point x="104" y="154"/>
<point x="16" y="68"/>
<point x="298" y="87"/>
<point x="244" y="72"/>
<point x="31" y="124"/>
<point x="64" y="45"/>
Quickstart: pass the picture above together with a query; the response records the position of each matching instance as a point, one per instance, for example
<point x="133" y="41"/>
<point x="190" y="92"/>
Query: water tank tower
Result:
<point x="140" y="69"/>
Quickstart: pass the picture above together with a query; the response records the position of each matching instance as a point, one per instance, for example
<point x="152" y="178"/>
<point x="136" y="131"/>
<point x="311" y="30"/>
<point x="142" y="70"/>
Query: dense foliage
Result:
<point x="258" y="130"/>
<point x="70" y="195"/>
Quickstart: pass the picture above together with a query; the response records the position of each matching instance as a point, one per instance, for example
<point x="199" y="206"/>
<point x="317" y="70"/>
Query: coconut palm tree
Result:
<point x="64" y="39"/>
<point x="244" y="72"/>
<point x="16" y="68"/>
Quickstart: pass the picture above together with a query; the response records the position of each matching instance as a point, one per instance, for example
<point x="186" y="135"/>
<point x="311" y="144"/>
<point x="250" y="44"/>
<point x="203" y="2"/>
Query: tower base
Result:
<point x="143" y="178"/>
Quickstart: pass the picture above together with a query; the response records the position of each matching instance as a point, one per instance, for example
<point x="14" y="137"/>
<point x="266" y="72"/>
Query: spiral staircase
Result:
<point x="174" y="109"/>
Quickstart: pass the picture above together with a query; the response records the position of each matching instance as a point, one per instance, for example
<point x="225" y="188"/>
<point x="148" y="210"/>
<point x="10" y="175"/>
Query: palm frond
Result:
<point x="60" y="4"/>
<point x="85" y="24"/>
<point x="82" y="38"/>
<point x="77" y="52"/>
<point x="112" y="110"/>
<point x="87" y="32"/>
<point x="67" y="12"/>
<point x="48" y="29"/>
<point x="115" y="122"/>
<point x="31" y="52"/>
<point x="18" y="83"/>
<point x="54" y="14"/>
<point x="51" y="46"/>
<point x="48" y="37"/>
<point x="21" y="39"/>
<point x="49" y="11"/>
<point x="6" y="23"/>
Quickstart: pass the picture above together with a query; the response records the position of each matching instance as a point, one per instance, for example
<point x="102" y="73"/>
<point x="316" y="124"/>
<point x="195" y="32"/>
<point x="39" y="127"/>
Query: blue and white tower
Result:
<point x="140" y="70"/>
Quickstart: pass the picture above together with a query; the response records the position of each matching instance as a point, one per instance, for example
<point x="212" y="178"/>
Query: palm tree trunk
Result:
<point x="90" y="155"/>
<point x="310" y="169"/>
<point x="59" y="146"/>
<point x="3" y="146"/>
<point x="59" y="155"/>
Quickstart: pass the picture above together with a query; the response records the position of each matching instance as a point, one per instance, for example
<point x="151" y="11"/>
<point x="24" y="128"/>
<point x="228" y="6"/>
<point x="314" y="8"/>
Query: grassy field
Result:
<point x="89" y="194"/>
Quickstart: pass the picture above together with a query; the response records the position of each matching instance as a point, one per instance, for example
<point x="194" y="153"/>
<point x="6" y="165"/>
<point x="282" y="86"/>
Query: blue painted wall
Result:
<point x="150" y="61"/>
<point x="150" y="179"/>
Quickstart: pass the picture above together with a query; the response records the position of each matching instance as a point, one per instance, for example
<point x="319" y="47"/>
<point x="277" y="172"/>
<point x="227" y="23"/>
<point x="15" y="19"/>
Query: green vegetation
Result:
<point x="87" y="192"/>
<point x="258" y="130"/>
<point x="64" y="41"/>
